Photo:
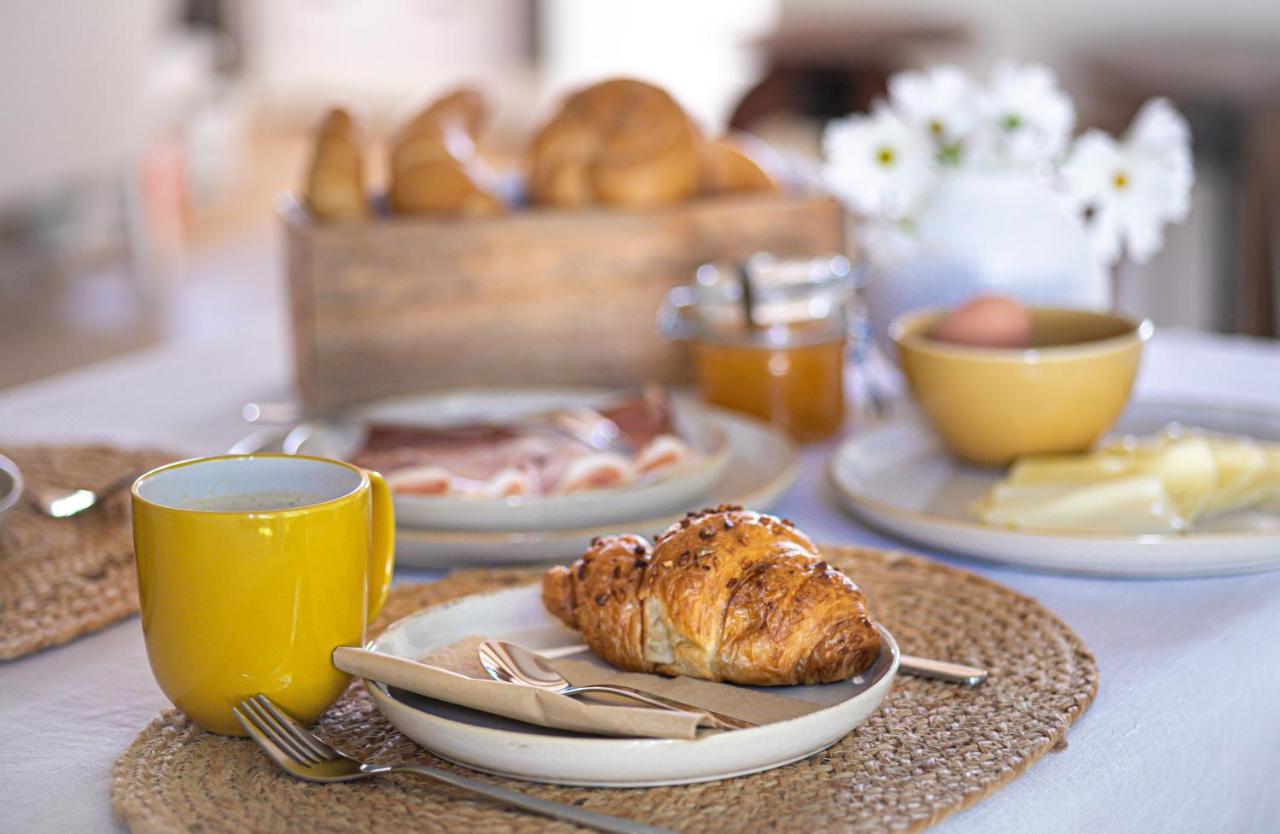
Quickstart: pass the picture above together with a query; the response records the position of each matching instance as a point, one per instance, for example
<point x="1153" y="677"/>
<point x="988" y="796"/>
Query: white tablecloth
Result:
<point x="1183" y="737"/>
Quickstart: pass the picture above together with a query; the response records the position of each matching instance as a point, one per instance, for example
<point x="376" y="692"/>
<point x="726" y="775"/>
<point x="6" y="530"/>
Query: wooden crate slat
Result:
<point x="393" y="305"/>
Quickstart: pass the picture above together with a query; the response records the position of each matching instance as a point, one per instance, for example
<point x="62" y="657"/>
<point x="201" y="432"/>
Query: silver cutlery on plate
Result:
<point x="515" y="664"/>
<point x="272" y="414"/>
<point x="920" y="667"/>
<point x="304" y="755"/>
<point x="258" y="440"/>
<point x="585" y="425"/>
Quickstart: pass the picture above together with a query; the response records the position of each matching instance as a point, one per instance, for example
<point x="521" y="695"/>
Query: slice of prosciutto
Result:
<point x="514" y="459"/>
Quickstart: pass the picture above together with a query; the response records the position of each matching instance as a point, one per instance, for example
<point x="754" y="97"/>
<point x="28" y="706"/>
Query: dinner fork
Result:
<point x="306" y="756"/>
<point x="588" y="426"/>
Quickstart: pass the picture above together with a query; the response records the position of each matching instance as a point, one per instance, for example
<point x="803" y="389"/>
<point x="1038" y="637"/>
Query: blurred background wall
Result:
<point x="144" y="141"/>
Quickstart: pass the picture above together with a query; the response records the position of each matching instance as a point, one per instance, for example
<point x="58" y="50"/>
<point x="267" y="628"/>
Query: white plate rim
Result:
<point x="638" y="784"/>
<point x="877" y="690"/>
<point x="17" y="486"/>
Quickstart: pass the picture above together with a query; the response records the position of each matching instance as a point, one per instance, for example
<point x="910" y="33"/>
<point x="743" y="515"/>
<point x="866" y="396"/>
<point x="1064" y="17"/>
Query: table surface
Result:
<point x="1184" y="734"/>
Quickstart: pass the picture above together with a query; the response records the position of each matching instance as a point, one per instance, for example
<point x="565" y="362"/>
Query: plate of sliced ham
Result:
<point x="529" y="459"/>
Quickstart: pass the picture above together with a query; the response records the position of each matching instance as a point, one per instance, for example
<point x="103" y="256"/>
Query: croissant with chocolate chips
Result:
<point x="725" y="595"/>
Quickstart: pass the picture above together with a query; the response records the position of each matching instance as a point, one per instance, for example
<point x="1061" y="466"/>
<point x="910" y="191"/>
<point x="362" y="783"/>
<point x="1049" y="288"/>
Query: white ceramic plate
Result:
<point x="10" y="487"/>
<point x="522" y="751"/>
<point x="664" y="494"/>
<point x="898" y="478"/>
<point x="762" y="465"/>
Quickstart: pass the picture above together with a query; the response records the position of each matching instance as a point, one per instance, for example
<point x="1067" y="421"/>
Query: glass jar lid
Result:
<point x="766" y="301"/>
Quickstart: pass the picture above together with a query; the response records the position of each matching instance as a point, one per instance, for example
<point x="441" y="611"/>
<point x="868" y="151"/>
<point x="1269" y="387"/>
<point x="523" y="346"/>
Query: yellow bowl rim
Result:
<point x="906" y="334"/>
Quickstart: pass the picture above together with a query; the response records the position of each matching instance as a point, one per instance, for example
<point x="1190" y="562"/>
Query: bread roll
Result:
<point x="736" y="163"/>
<point x="725" y="595"/>
<point x="433" y="166"/>
<point x="335" y="184"/>
<point x="619" y="143"/>
<point x="463" y="107"/>
<point x="446" y="128"/>
<point x="442" y="187"/>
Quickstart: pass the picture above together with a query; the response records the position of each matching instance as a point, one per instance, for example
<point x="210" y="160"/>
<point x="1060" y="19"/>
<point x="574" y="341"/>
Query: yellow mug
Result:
<point x="252" y="569"/>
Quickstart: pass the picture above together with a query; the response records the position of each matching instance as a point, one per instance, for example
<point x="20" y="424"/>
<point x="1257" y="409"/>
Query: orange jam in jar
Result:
<point x="768" y="338"/>
<point x="798" y="389"/>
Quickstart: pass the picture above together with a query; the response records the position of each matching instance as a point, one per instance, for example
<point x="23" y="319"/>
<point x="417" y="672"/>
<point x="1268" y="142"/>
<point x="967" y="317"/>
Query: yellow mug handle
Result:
<point x="382" y="559"/>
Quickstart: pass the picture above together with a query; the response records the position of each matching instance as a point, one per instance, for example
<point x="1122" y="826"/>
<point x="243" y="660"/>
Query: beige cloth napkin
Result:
<point x="454" y="674"/>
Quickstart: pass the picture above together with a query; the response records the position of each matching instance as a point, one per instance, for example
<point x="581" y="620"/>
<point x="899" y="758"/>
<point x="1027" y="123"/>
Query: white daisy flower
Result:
<point x="1132" y="188"/>
<point x="940" y="102"/>
<point x="877" y="164"/>
<point x="1159" y="129"/>
<point x="1026" y="117"/>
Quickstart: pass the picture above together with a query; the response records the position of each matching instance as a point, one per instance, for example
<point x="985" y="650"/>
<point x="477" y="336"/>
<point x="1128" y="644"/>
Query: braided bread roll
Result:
<point x="335" y="187"/>
<point x="725" y="595"/>
<point x="434" y="168"/>
<point x="618" y="143"/>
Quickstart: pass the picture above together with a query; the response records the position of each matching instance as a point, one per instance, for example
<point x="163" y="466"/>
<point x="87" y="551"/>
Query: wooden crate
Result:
<point x="404" y="304"/>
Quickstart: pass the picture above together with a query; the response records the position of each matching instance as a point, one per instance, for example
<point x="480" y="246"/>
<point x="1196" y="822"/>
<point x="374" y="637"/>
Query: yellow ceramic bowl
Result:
<point x="992" y="404"/>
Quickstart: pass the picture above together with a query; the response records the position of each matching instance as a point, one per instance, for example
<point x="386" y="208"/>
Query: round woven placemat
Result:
<point x="60" y="578"/>
<point x="930" y="750"/>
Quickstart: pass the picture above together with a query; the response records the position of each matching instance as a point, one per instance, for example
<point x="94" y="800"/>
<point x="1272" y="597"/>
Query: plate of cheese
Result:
<point x="1175" y="489"/>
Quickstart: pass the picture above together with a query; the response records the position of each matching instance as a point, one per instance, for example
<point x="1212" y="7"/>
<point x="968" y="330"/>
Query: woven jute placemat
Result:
<point x="930" y="750"/>
<point x="61" y="578"/>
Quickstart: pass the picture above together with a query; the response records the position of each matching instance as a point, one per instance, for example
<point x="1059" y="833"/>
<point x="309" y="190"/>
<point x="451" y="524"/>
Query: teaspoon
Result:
<point x="66" y="502"/>
<point x="515" y="664"/>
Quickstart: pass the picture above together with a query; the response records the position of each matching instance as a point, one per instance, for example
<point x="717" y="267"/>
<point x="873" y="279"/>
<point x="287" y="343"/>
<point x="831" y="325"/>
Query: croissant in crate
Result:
<point x="335" y="186"/>
<point x="619" y="143"/>
<point x="458" y="117"/>
<point x="434" y="169"/>
<point x="738" y="163"/>
<point x="725" y="595"/>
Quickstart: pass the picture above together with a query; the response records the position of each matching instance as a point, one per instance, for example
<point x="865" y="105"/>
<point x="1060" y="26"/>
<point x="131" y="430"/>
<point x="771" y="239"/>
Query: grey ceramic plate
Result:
<point x="522" y="751"/>
<point x="762" y="465"/>
<point x="10" y="487"/>
<point x="899" y="479"/>
<point x="662" y="495"/>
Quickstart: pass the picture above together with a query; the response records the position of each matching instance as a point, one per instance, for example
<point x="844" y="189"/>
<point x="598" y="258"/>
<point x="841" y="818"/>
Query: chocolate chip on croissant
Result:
<point x="724" y="595"/>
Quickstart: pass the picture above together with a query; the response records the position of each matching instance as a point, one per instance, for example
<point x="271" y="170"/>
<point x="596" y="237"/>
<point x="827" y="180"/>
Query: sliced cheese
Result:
<point x="1127" y="504"/>
<point x="1188" y="468"/>
<point x="1159" y="484"/>
<point x="1242" y="476"/>
<point x="1060" y="469"/>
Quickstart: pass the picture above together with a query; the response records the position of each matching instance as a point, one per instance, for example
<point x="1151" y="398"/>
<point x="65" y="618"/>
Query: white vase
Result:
<point x="986" y="232"/>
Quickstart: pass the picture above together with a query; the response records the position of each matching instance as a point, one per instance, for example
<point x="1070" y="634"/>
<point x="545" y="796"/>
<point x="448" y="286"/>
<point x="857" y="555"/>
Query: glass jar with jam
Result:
<point x="768" y="338"/>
